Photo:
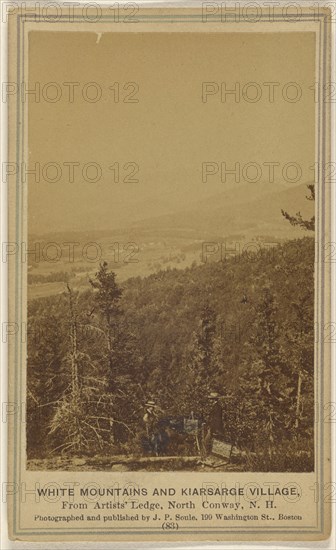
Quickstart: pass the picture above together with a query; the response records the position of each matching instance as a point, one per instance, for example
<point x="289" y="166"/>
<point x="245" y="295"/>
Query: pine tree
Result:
<point x="264" y="383"/>
<point x="46" y="379"/>
<point x="122" y="354"/>
<point x="107" y="299"/>
<point x="297" y="220"/>
<point x="199" y="368"/>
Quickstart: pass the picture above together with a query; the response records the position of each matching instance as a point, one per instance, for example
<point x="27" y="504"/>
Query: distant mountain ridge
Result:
<point x="232" y="211"/>
<point x="245" y="209"/>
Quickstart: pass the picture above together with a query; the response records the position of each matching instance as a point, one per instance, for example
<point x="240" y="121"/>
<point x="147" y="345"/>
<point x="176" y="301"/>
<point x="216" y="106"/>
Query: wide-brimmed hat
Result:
<point x="150" y="404"/>
<point x="214" y="395"/>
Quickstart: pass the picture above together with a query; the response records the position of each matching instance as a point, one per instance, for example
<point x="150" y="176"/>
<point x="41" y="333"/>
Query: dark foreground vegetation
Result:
<point x="242" y="327"/>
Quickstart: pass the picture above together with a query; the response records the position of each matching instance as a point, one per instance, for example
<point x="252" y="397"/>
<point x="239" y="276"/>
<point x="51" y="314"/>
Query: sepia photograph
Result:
<point x="170" y="264"/>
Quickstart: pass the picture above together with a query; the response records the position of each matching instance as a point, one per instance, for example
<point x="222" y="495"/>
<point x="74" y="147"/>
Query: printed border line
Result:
<point x="154" y="19"/>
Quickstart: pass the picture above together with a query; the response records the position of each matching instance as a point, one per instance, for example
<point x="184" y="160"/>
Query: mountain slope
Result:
<point x="237" y="210"/>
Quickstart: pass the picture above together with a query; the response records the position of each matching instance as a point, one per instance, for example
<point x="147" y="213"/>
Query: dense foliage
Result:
<point x="242" y="327"/>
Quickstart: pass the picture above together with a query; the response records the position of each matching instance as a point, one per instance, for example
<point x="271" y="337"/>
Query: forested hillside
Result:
<point x="242" y="327"/>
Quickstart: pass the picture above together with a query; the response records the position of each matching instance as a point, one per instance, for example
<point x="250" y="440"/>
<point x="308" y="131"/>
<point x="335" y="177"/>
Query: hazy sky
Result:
<point x="169" y="132"/>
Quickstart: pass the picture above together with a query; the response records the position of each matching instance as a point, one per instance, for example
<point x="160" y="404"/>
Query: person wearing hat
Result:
<point x="215" y="422"/>
<point x="150" y="417"/>
<point x="155" y="436"/>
